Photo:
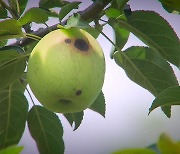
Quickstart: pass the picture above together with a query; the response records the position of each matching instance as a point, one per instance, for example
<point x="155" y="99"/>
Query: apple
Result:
<point x="66" y="70"/>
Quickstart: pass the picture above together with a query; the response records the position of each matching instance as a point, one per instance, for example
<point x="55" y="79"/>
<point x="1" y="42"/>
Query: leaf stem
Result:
<point x="30" y="96"/>
<point x="117" y="48"/>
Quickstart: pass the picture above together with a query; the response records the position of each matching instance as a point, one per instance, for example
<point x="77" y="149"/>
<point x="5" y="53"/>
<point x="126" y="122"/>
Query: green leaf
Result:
<point x="148" y="69"/>
<point x="3" y="12"/>
<point x="12" y="66"/>
<point x="68" y="8"/>
<point x="13" y="112"/>
<point x="18" y="6"/>
<point x="99" y="105"/>
<point x="12" y="150"/>
<point x="3" y="43"/>
<point x="171" y="5"/>
<point x="113" y="13"/>
<point x="37" y="15"/>
<point x="135" y="151"/>
<point x="9" y="29"/>
<point x="52" y="3"/>
<point x="46" y="129"/>
<point x="121" y="35"/>
<point x="167" y="146"/>
<point x="156" y="32"/>
<point x="75" y="21"/>
<point x="74" y="118"/>
<point x="170" y="96"/>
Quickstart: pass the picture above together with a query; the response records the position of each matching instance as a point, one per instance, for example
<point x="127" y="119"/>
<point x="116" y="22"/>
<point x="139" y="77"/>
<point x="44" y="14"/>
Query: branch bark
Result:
<point x="91" y="12"/>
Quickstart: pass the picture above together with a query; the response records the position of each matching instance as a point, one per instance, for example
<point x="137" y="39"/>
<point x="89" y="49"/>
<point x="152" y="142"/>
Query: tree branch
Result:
<point x="91" y="12"/>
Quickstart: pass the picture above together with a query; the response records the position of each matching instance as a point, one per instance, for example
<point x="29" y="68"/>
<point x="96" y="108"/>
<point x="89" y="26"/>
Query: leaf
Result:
<point x="113" y="13"/>
<point x="13" y="112"/>
<point x="156" y="32"/>
<point x="154" y="148"/>
<point x="167" y="146"/>
<point x="74" y="118"/>
<point x="170" y="96"/>
<point x="52" y="3"/>
<point x="12" y="66"/>
<point x="37" y="15"/>
<point x="9" y="29"/>
<point x="99" y="105"/>
<point x="68" y="8"/>
<point x="3" y="12"/>
<point x="75" y="21"/>
<point x="3" y="43"/>
<point x="171" y="5"/>
<point x="46" y="129"/>
<point x="148" y="69"/>
<point x="135" y="151"/>
<point x="12" y="150"/>
<point x="18" y="6"/>
<point x="121" y="35"/>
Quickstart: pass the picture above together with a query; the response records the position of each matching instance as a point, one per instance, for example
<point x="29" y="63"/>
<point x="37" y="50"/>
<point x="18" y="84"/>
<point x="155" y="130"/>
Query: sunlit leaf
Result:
<point x="67" y="8"/>
<point x="135" y="151"/>
<point x="99" y="105"/>
<point x="12" y="150"/>
<point x="156" y="32"/>
<point x="13" y="112"/>
<point x="12" y="66"/>
<point x="46" y="129"/>
<point x="113" y="13"/>
<point x="9" y="29"/>
<point x="74" y="118"/>
<point x="167" y="146"/>
<point x="37" y="15"/>
<point x="170" y="96"/>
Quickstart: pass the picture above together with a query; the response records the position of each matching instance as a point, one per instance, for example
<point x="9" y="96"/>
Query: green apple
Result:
<point x="66" y="70"/>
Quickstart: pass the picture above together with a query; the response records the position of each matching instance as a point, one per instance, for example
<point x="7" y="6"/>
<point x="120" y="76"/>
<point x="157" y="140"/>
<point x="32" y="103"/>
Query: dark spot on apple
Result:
<point x="65" y="101"/>
<point x="68" y="41"/>
<point x="81" y="45"/>
<point x="78" y="92"/>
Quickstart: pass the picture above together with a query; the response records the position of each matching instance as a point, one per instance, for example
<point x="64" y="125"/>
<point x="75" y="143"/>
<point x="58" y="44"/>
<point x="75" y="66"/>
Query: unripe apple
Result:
<point x="66" y="70"/>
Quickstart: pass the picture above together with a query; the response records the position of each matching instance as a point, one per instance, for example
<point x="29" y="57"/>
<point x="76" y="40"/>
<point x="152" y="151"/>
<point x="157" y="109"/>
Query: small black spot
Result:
<point x="78" y="92"/>
<point x="67" y="40"/>
<point x="81" y="45"/>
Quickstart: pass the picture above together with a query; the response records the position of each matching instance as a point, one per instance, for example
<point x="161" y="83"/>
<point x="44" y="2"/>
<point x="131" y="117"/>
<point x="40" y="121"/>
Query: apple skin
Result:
<point x="66" y="70"/>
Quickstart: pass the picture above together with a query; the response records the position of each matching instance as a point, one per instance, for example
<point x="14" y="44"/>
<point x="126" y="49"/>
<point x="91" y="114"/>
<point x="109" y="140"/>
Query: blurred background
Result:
<point x="127" y="123"/>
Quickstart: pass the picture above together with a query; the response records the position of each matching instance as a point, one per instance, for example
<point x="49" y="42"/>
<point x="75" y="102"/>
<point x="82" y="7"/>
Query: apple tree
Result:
<point x="149" y="66"/>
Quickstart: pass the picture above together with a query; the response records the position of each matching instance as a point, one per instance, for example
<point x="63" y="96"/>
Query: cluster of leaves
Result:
<point x="147" y="66"/>
<point x="165" y="145"/>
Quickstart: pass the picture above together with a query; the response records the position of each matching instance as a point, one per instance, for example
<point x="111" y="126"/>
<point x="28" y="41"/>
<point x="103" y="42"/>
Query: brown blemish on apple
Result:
<point x="78" y="92"/>
<point x="67" y="40"/>
<point x="81" y="44"/>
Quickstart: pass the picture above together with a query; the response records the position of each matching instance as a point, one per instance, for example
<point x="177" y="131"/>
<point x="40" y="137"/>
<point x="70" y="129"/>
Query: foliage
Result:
<point x="149" y="67"/>
<point x="165" y="145"/>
